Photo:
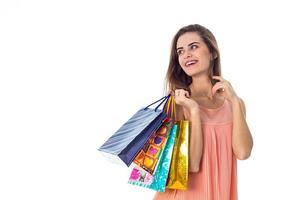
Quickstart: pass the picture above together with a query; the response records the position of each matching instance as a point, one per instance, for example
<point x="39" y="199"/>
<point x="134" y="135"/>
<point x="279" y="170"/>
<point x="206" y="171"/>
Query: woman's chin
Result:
<point x="195" y="70"/>
<point x="195" y="73"/>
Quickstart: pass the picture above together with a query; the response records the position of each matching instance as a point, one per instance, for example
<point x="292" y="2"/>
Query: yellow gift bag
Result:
<point x="178" y="173"/>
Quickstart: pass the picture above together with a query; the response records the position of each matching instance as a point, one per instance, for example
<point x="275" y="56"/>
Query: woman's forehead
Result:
<point x="188" y="38"/>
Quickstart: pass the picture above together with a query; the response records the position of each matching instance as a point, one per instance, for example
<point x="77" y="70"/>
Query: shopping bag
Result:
<point x="156" y="181"/>
<point x="126" y="142"/>
<point x="178" y="173"/>
<point x="150" y="154"/>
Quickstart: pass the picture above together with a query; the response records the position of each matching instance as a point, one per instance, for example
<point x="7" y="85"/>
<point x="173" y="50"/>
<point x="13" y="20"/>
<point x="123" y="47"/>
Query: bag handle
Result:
<point x="163" y="99"/>
<point x="170" y="108"/>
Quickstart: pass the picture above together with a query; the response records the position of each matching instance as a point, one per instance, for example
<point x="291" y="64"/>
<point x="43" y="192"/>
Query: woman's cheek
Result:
<point x="181" y="63"/>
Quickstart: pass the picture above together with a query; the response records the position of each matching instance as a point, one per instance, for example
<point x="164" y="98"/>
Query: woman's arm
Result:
<point x="242" y="141"/>
<point x="195" y="136"/>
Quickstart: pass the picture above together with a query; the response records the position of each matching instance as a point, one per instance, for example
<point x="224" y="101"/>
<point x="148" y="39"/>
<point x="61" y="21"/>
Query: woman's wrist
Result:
<point x="194" y="110"/>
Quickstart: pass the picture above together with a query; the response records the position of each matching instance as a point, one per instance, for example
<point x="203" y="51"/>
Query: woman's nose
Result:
<point x="187" y="54"/>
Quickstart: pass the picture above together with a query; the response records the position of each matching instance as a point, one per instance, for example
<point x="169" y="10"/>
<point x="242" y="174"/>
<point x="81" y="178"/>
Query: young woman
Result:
<point x="219" y="134"/>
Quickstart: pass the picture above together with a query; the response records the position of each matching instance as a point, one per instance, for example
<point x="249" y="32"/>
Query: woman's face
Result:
<point x="193" y="54"/>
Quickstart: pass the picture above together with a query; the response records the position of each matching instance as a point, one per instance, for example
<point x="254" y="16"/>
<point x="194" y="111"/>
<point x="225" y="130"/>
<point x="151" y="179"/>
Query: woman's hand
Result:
<point x="182" y="98"/>
<point x="226" y="88"/>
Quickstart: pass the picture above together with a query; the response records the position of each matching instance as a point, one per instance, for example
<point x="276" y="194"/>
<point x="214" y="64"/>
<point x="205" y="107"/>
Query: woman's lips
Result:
<point x="190" y="63"/>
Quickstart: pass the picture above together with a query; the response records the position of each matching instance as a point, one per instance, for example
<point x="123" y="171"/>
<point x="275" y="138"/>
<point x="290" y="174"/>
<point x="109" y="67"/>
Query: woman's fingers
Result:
<point x="216" y="87"/>
<point x="172" y="92"/>
<point x="181" y="92"/>
<point x="186" y="93"/>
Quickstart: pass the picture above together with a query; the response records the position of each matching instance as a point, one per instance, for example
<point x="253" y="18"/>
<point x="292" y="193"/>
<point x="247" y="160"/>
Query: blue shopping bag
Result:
<point x="127" y="141"/>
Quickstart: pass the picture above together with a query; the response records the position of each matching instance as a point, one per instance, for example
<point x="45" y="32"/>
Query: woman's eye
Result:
<point x="194" y="46"/>
<point x="179" y="52"/>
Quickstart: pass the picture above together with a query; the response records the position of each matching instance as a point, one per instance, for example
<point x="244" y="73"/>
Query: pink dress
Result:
<point x="217" y="176"/>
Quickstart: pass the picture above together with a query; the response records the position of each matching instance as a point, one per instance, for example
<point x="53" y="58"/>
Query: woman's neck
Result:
<point x="201" y="87"/>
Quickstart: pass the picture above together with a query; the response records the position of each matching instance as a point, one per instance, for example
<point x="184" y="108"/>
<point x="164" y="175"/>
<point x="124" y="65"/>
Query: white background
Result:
<point x="72" y="72"/>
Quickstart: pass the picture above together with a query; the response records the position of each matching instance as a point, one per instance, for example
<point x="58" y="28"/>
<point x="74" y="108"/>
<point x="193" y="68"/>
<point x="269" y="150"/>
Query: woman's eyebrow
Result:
<point x="188" y="45"/>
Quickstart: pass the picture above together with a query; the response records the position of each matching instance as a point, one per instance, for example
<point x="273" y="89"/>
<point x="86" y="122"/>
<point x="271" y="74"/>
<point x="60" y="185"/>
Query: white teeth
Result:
<point x="191" y="62"/>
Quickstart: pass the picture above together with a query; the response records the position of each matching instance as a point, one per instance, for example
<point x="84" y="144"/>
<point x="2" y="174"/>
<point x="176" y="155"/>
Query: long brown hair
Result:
<point x="176" y="78"/>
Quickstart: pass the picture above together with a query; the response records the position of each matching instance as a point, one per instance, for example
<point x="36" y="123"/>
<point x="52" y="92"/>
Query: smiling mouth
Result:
<point x="191" y="63"/>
